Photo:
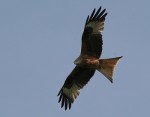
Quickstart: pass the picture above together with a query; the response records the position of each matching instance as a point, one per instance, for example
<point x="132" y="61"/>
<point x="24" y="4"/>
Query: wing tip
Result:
<point x="99" y="15"/>
<point x="65" y="102"/>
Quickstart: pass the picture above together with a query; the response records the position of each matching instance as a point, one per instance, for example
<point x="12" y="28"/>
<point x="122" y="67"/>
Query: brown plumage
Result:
<point x="88" y="61"/>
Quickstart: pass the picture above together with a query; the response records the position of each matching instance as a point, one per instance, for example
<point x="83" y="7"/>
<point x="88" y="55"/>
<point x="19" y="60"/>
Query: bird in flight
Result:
<point x="89" y="60"/>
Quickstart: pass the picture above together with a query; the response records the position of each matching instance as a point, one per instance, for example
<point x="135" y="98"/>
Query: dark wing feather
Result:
<point x="74" y="82"/>
<point x="92" y="37"/>
<point x="91" y="17"/>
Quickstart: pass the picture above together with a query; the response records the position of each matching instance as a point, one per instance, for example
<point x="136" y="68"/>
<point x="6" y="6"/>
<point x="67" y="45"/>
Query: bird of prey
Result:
<point x="89" y="60"/>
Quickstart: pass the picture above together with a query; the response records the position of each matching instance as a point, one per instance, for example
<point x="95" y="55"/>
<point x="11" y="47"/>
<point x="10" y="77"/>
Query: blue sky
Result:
<point x="40" y="39"/>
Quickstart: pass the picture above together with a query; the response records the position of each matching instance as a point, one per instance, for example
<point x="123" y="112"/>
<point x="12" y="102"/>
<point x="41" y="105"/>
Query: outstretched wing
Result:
<point x="74" y="82"/>
<point x="92" y="37"/>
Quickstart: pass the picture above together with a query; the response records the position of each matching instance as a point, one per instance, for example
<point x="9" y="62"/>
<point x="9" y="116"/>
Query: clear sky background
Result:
<point x="40" y="39"/>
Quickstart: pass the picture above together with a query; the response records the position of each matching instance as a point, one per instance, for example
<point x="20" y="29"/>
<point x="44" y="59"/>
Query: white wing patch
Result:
<point x="97" y="26"/>
<point x="73" y="92"/>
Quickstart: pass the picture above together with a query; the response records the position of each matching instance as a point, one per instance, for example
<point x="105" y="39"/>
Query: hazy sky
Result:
<point x="40" y="39"/>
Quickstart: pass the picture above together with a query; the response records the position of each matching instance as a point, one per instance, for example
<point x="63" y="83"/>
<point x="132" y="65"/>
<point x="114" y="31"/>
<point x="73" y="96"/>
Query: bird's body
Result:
<point x="89" y="60"/>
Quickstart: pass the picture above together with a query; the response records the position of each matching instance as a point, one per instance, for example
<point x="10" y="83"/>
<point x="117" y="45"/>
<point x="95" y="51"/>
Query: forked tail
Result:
<point x="107" y="67"/>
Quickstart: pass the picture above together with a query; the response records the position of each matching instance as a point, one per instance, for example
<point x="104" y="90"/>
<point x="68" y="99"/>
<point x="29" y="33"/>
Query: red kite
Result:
<point x="88" y="61"/>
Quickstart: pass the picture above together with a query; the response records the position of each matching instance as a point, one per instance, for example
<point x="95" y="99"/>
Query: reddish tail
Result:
<point x="107" y="67"/>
